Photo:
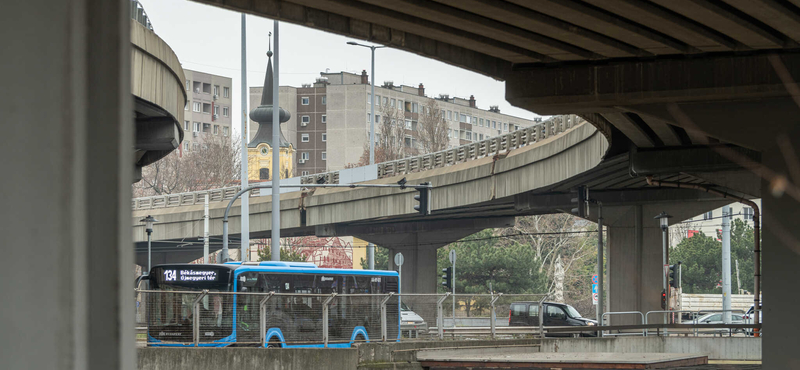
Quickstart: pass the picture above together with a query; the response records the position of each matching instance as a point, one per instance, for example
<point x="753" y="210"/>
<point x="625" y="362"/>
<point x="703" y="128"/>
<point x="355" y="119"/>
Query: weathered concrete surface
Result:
<point x="246" y="358"/>
<point x="536" y="360"/>
<point x="405" y="351"/>
<point x="726" y="348"/>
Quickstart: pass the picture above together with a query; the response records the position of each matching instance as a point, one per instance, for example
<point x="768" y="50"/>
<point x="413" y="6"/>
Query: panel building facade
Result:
<point x="330" y="119"/>
<point x="208" y="108"/>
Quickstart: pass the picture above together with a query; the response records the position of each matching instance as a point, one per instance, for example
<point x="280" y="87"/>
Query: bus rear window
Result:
<point x="517" y="310"/>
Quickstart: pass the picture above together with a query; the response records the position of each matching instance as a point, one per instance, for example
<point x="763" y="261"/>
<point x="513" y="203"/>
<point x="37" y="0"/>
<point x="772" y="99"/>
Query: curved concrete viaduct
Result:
<point x="157" y="84"/>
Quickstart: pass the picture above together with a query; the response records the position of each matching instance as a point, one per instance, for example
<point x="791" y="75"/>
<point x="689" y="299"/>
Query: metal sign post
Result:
<point x="398" y="261"/>
<point x="453" y="283"/>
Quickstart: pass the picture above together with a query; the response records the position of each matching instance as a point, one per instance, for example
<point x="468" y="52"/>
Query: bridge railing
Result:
<point x="464" y="153"/>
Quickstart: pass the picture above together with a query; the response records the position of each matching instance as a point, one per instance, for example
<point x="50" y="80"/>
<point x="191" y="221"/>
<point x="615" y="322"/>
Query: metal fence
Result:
<point x="480" y="149"/>
<point x="206" y="318"/>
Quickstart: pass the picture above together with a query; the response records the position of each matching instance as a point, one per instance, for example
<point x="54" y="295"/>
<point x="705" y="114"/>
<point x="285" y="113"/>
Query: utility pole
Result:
<point x="370" y="256"/>
<point x="205" y="231"/>
<point x="726" y="264"/>
<point x="276" y="157"/>
<point x="245" y="218"/>
<point x="738" y="282"/>
<point x="600" y="261"/>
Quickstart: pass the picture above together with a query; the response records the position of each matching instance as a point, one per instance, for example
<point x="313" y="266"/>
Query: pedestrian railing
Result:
<point x="464" y="153"/>
<point x="211" y="318"/>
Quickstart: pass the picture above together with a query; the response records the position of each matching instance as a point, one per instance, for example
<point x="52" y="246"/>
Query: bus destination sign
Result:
<point x="185" y="275"/>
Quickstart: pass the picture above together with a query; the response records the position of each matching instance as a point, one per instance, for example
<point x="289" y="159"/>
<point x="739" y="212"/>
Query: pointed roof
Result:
<point x="263" y="114"/>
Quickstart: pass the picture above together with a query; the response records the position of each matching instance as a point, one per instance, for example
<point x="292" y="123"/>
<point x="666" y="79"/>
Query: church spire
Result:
<point x="263" y="114"/>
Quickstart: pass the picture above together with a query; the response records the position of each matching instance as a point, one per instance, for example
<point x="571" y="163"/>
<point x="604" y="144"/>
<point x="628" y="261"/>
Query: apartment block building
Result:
<point x="331" y="117"/>
<point x="208" y="108"/>
<point x="710" y="223"/>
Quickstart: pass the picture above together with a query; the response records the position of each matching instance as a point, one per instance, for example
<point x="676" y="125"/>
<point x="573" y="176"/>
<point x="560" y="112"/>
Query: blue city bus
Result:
<point x="292" y="321"/>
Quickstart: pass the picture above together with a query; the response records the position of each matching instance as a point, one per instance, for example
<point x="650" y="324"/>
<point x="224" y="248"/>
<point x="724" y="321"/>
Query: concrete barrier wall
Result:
<point x="726" y="348"/>
<point x="406" y="351"/>
<point x="246" y="358"/>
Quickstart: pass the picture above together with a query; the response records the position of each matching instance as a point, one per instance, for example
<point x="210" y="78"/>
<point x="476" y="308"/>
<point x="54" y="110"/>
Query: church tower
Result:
<point x="259" y="150"/>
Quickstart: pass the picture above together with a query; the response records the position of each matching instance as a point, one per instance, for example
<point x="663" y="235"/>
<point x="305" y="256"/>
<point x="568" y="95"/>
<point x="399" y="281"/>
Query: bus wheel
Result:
<point x="274" y="343"/>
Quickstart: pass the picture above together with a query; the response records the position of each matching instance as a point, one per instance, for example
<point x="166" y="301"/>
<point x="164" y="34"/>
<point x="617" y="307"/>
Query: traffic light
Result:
<point x="580" y="201"/>
<point x="675" y="275"/>
<point x="424" y="197"/>
<point x="663" y="299"/>
<point x="447" y="278"/>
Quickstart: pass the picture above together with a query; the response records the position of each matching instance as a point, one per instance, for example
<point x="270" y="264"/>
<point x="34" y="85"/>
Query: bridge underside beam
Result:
<point x="654" y="103"/>
<point x="418" y="241"/>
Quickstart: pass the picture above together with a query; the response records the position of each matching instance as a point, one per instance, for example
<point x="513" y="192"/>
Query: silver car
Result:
<point x="716" y="318"/>
<point x="412" y="323"/>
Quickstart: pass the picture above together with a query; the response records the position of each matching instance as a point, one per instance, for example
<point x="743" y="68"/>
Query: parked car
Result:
<point x="412" y="323"/>
<point x="749" y="317"/>
<point x="716" y="318"/>
<point x="555" y="314"/>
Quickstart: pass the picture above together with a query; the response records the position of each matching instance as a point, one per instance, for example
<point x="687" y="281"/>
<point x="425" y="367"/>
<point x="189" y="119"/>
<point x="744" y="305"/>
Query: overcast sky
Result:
<point x="208" y="39"/>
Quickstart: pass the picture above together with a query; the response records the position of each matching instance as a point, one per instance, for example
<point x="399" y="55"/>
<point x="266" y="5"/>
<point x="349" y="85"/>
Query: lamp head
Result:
<point x="148" y="221"/>
<point x="663" y="218"/>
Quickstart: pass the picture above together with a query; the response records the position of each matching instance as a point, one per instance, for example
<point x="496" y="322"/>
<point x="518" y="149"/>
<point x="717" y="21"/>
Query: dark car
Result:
<point x="555" y="314"/>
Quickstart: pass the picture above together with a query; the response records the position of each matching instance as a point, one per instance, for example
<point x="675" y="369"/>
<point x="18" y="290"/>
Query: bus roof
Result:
<point x="281" y="266"/>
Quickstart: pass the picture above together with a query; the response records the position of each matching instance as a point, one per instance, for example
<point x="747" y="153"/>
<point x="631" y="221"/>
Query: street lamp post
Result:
<point x="148" y="221"/>
<point x="370" y="246"/>
<point x="372" y="102"/>
<point x="663" y="218"/>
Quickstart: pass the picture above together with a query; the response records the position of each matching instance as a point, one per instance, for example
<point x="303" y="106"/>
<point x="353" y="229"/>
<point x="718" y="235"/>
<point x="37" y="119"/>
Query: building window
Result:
<point x="186" y="146"/>
<point x="304" y="156"/>
<point x="197" y="127"/>
<point x="226" y="92"/>
<point x="263" y="174"/>
<point x="480" y="122"/>
<point x="324" y="156"/>
<point x="708" y="215"/>
<point x="304" y="173"/>
<point x="377" y="118"/>
<point x="304" y="138"/>
<point x="304" y="100"/>
<point x="216" y="129"/>
<point x="196" y="106"/>
<point x="224" y="131"/>
<point x="216" y="110"/>
<point x="408" y="141"/>
<point x="207" y="88"/>
<point x="324" y="119"/>
<point x="206" y="127"/>
<point x="505" y="126"/>
<point x="216" y="90"/>
<point x="414" y="108"/>
<point x="324" y="137"/>
<point x="748" y="213"/>
<point x="304" y="120"/>
<point x="225" y="111"/>
<point x="463" y="118"/>
<point x="378" y="99"/>
<point x="195" y="146"/>
<point x="369" y="98"/>
<point x="494" y="124"/>
<point x="368" y="117"/>
<point x="188" y="85"/>
<point x="385" y="101"/>
<point x="407" y="106"/>
<point x="394" y="102"/>
<point x="324" y="100"/>
<point x="185" y="125"/>
<point x="449" y="115"/>
<point x="481" y="137"/>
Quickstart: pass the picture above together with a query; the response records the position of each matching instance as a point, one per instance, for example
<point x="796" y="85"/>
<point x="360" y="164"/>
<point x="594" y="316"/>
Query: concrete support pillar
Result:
<point x="66" y="220"/>
<point x="634" y="264"/>
<point x="780" y="257"/>
<point x="419" y="268"/>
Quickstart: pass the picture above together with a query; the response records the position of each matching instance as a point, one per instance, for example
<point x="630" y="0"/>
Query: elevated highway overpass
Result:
<point x="659" y="78"/>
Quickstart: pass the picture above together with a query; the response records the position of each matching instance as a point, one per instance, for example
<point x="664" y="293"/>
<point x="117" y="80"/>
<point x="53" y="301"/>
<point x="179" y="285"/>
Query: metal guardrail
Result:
<point x="464" y="153"/>
<point x="603" y="321"/>
<point x="188" y="316"/>
<point x="138" y="14"/>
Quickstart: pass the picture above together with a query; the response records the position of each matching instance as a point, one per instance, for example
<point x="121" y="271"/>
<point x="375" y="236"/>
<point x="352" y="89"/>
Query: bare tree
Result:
<point x="214" y="164"/>
<point x="432" y="128"/>
<point x="390" y="133"/>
